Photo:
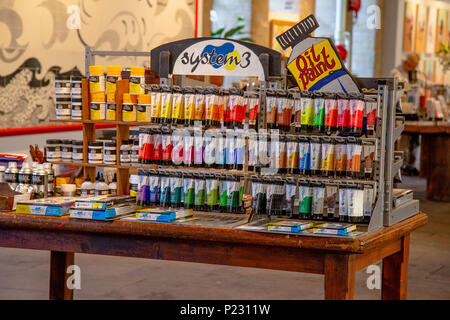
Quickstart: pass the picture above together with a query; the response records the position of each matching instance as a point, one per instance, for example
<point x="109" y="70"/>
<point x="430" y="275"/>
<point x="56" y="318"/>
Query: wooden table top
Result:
<point x="12" y="220"/>
<point x="426" y="129"/>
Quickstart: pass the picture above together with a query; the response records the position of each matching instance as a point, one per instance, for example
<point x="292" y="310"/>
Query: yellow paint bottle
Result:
<point x="144" y="108"/>
<point x="96" y="79"/>
<point x="113" y="74"/>
<point x="129" y="107"/>
<point x="111" y="106"/>
<point x="98" y="106"/>
<point x="137" y="80"/>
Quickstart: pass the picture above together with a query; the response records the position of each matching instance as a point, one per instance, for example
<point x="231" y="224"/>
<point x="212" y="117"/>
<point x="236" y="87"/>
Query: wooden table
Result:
<point x="434" y="158"/>
<point x="338" y="259"/>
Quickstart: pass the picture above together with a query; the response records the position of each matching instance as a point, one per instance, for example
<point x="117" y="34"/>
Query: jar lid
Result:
<point x="144" y="99"/>
<point x="137" y="71"/>
<point x="95" y="144"/>
<point x="110" y="144"/>
<point x="96" y="70"/>
<point x="129" y="98"/>
<point x="114" y="70"/>
<point x="53" y="141"/>
<point x="77" y="142"/>
<point x="66" y="141"/>
<point x="76" y="79"/>
<point x="98" y="96"/>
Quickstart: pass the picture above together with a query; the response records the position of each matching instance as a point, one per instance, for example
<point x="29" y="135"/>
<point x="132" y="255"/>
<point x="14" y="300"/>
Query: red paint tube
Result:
<point x="166" y="146"/>
<point x="343" y="113"/>
<point x="157" y="146"/>
<point x="331" y="111"/>
<point x="371" y="114"/>
<point x="356" y="114"/>
<point x="253" y="106"/>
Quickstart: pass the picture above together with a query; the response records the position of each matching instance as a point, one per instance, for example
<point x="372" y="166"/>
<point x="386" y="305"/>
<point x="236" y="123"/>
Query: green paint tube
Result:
<point x="304" y="199"/>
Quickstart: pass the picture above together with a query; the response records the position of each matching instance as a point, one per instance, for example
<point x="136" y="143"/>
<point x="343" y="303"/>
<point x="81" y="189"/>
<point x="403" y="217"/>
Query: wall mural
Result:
<point x="44" y="38"/>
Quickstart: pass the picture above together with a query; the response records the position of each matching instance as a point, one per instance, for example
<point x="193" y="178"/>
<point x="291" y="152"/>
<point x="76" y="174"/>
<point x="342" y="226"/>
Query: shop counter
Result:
<point x="336" y="258"/>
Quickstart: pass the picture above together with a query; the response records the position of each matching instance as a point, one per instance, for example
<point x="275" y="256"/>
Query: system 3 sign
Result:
<point x="218" y="57"/>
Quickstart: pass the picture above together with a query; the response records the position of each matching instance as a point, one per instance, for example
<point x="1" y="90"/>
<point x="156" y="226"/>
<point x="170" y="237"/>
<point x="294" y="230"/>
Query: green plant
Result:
<point x="233" y="32"/>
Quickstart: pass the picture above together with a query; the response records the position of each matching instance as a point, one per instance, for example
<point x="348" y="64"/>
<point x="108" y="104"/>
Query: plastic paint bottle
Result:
<point x="113" y="185"/>
<point x="137" y="80"/>
<point x="87" y="188"/>
<point x="113" y="74"/>
<point x="97" y="79"/>
<point x="144" y="108"/>
<point x="98" y="106"/>
<point x="129" y="112"/>
<point x="111" y="106"/>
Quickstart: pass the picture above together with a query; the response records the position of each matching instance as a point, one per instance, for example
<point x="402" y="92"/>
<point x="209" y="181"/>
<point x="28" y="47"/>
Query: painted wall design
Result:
<point x="40" y="39"/>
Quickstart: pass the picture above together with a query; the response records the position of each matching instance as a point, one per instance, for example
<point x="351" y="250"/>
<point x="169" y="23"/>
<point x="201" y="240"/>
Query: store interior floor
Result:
<point x="25" y="273"/>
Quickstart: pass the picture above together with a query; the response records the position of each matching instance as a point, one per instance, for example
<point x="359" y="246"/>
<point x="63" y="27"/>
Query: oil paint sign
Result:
<point x="218" y="57"/>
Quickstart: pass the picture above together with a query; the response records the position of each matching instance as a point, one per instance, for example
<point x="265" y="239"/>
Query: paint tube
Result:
<point x="177" y="106"/>
<point x="331" y="192"/>
<point x="271" y="109"/>
<point x="356" y="114"/>
<point x="368" y="154"/>
<point x="198" y="148"/>
<point x="200" y="192"/>
<point x="307" y="107"/>
<point x="304" y="199"/>
<point x="230" y="147"/>
<point x="154" y="188"/>
<point x="263" y="151"/>
<point x="331" y="111"/>
<point x="356" y="160"/>
<point x="200" y="107"/>
<point x="189" y="106"/>
<point x="178" y="147"/>
<point x="233" y="190"/>
<point x="188" y="156"/>
<point x="166" y="105"/>
<point x="351" y="143"/>
<point x="258" y="195"/>
<point x="221" y="154"/>
<point x="164" y="200"/>
<point x="297" y="115"/>
<point x="343" y="113"/>
<point x="151" y="145"/>
<point x="355" y="203"/>
<point x="218" y="108"/>
<point x="212" y="192"/>
<point x="341" y="156"/>
<point x="274" y="151"/>
<point x="223" y="195"/>
<point x="277" y="196"/>
<point x="284" y="111"/>
<point x="371" y="114"/>
<point x="369" y="197"/>
<point x="242" y="109"/>
<point x="210" y="148"/>
<point x="343" y="208"/>
<point x="226" y="107"/>
<point x="292" y="154"/>
<point x="210" y="101"/>
<point x="240" y="149"/>
<point x="252" y="150"/>
<point x="252" y="103"/>
<point x="291" y="190"/>
<point x="315" y="155"/>
<point x="304" y="162"/>
<point x="318" y="200"/>
<point x="234" y="102"/>
<point x="141" y="144"/>
<point x="189" y="191"/>
<point x="319" y="111"/>
<point x="166" y="146"/>
<point x="328" y="157"/>
<point x="155" y="102"/>
<point x="143" y="184"/>
<point x="157" y="146"/>
<point x="175" y="190"/>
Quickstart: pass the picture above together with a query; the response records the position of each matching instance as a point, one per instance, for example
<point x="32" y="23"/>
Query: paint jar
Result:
<point x="252" y="104"/>
<point x="135" y="152"/>
<point x="62" y="86"/>
<point x="221" y="147"/>
<point x="188" y="157"/>
<point x="66" y="150"/>
<point x="144" y="108"/>
<point x="178" y="147"/>
<point x="199" y="148"/>
<point x="292" y="149"/>
<point x="316" y="155"/>
<point x="63" y="107"/>
<point x="328" y="157"/>
<point x="305" y="195"/>
<point x="134" y="185"/>
<point x="271" y="109"/>
<point x="95" y="152"/>
<point x="76" y="85"/>
<point x="200" y="105"/>
<point x="125" y="152"/>
<point x="304" y="155"/>
<point x="155" y="101"/>
<point x="137" y="80"/>
<point x="166" y="146"/>
<point x="110" y="153"/>
<point x="200" y="192"/>
<point x="97" y="79"/>
<point x="284" y="111"/>
<point x="129" y="112"/>
<point x="189" y="106"/>
<point x="290" y="192"/>
<point x="164" y="199"/>
<point x="356" y="114"/>
<point x="343" y="103"/>
<point x="210" y="148"/>
<point x="53" y="150"/>
<point x="252" y="151"/>
<point x="318" y="200"/>
<point x="331" y="111"/>
<point x="297" y="115"/>
<point x="166" y="105"/>
<point x="355" y="202"/>
<point x="240" y="149"/>
<point x="343" y="204"/>
<point x="111" y="106"/>
<point x="331" y="199"/>
<point x="369" y="197"/>
<point x="341" y="156"/>
<point x="369" y="155"/>
<point x="98" y="106"/>
<point x="113" y="74"/>
<point x="177" y="106"/>
<point x="371" y="106"/>
<point x="156" y="155"/>
<point x="212" y="191"/>
<point x="308" y="112"/>
<point x="189" y="190"/>
<point x="77" y="151"/>
<point x="319" y="111"/>
<point x="176" y="187"/>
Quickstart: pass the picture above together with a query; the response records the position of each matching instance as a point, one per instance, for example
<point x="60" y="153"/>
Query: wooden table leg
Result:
<point x="339" y="277"/>
<point x="395" y="273"/>
<point x="59" y="261"/>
